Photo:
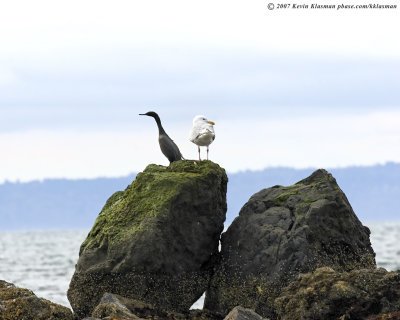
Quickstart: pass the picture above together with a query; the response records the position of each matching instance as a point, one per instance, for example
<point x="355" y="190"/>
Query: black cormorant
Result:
<point x="168" y="147"/>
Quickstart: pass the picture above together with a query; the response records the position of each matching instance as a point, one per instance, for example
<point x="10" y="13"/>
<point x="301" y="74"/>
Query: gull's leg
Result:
<point x="199" y="152"/>
<point x="207" y="152"/>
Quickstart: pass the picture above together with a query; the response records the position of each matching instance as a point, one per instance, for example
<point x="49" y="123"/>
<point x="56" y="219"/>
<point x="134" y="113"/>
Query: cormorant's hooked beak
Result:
<point x="211" y="122"/>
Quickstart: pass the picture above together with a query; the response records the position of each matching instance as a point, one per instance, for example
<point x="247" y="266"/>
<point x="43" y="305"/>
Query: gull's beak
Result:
<point x="210" y="122"/>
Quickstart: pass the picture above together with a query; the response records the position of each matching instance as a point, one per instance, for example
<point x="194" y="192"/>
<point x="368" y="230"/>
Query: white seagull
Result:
<point x="202" y="132"/>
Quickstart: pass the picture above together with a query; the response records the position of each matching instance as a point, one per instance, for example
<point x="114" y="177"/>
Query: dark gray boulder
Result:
<point x="155" y="241"/>
<point x="284" y="231"/>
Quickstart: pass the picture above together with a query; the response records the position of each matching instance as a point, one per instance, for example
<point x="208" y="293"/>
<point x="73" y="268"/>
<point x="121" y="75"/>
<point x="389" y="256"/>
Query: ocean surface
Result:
<point x="44" y="261"/>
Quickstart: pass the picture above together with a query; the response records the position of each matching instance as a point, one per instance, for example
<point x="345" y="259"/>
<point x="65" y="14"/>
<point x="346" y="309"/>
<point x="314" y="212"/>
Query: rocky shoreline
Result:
<point x="294" y="252"/>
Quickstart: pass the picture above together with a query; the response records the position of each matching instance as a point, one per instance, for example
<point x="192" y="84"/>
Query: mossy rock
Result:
<point x="281" y="232"/>
<point x="156" y="240"/>
<point x="327" y="294"/>
<point x="22" y="304"/>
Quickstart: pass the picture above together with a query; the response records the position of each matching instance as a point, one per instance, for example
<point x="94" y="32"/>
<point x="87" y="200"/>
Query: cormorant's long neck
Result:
<point x="160" y="128"/>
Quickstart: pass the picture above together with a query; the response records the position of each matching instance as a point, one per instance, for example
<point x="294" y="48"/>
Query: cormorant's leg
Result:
<point x="207" y="152"/>
<point x="199" y="152"/>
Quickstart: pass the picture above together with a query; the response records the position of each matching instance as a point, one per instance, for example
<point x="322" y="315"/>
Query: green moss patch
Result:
<point x="148" y="196"/>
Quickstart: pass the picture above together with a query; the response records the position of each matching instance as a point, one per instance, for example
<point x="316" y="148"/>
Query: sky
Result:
<point x="297" y="88"/>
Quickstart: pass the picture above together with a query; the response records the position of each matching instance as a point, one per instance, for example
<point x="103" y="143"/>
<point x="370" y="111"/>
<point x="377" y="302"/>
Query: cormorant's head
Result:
<point x="150" y="114"/>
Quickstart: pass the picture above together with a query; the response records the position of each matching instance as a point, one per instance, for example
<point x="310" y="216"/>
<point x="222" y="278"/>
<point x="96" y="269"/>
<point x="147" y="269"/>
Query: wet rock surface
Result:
<point x="155" y="241"/>
<point x="327" y="294"/>
<point x="240" y="313"/>
<point x="386" y="316"/>
<point x="113" y="306"/>
<point x="282" y="232"/>
<point x="22" y="304"/>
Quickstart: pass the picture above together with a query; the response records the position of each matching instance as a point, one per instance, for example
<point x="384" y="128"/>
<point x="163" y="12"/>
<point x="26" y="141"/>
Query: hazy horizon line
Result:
<point x="283" y="167"/>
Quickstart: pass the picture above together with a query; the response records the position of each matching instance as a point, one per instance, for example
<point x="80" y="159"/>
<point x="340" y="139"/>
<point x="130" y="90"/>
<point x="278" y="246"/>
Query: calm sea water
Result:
<point x="44" y="261"/>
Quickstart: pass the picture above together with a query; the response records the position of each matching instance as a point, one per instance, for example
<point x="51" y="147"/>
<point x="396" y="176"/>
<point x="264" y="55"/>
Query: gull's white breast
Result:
<point x="202" y="134"/>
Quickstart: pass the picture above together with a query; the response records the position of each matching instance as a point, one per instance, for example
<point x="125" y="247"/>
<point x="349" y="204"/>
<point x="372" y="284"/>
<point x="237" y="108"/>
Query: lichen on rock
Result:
<point x="156" y="240"/>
